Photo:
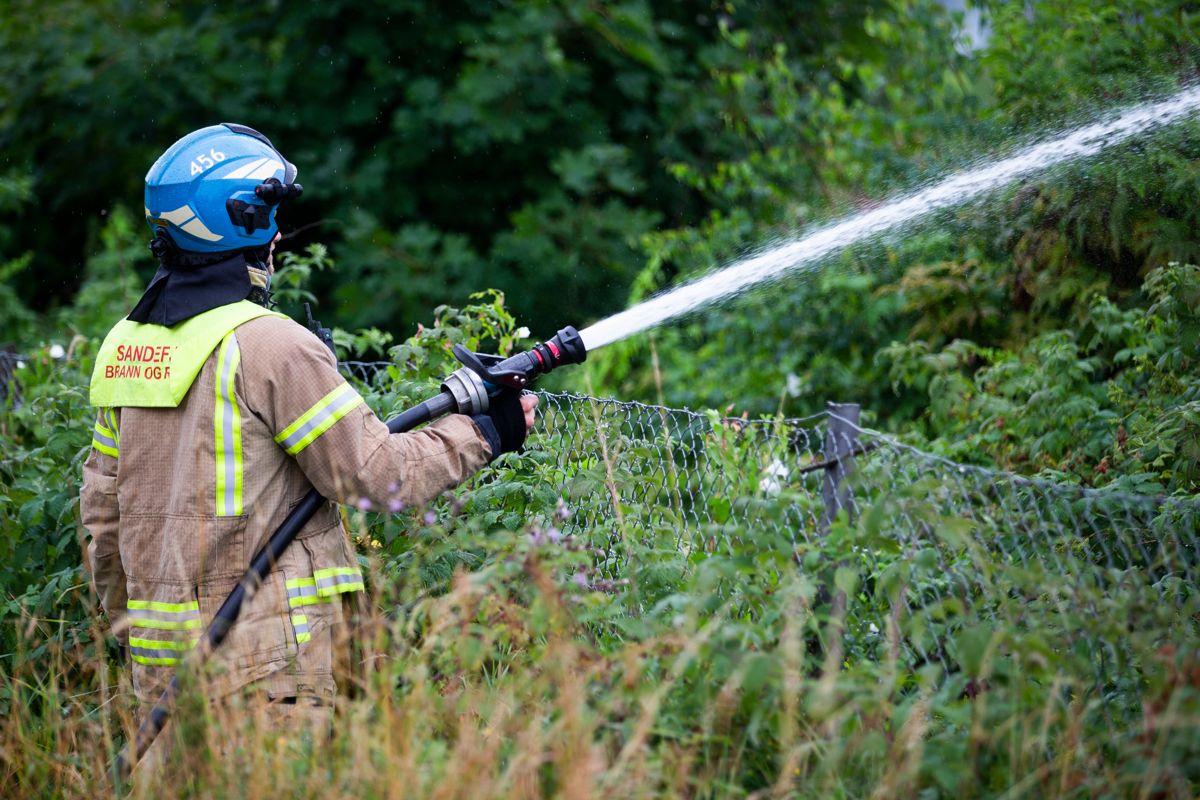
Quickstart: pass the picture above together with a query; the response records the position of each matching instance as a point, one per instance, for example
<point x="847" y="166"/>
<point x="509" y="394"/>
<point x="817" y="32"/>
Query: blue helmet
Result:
<point x="218" y="188"/>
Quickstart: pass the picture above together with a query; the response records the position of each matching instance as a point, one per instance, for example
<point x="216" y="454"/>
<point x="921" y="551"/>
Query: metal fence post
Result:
<point x="841" y="440"/>
<point x="10" y="388"/>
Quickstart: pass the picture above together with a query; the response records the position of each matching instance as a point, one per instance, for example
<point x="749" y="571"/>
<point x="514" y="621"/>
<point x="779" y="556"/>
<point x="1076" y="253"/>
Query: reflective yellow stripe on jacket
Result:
<point x="107" y="438"/>
<point x="302" y="592"/>
<point x="227" y="428"/>
<point x="318" y="419"/>
<point x="336" y="580"/>
<point x="159" y="652"/>
<point x="170" y="631"/>
<point x="323" y="587"/>
<point x="300" y="626"/>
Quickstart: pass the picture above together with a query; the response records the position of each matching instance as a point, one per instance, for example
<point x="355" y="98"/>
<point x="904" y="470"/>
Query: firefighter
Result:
<point x="216" y="416"/>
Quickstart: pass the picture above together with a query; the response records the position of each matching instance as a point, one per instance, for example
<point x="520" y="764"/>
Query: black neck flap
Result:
<point x="188" y="284"/>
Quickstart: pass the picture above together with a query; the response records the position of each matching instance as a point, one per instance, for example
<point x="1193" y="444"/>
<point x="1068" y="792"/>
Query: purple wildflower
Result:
<point x="561" y="512"/>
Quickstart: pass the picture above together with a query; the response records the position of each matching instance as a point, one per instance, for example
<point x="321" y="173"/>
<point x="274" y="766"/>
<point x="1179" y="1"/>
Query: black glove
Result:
<point x="504" y="423"/>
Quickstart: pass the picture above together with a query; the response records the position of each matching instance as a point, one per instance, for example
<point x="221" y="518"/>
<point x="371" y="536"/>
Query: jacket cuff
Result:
<point x="488" y="429"/>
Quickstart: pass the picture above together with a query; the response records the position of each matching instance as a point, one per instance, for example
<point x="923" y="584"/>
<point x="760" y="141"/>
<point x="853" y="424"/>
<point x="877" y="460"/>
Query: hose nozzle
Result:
<point x="565" y="348"/>
<point x="515" y="372"/>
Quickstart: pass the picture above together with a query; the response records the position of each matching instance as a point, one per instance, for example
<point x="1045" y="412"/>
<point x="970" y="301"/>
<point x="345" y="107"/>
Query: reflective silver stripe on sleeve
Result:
<point x="347" y="399"/>
<point x="335" y="580"/>
<point x="146" y="652"/>
<point x="104" y="438"/>
<point x="163" y="616"/>
<point x="110" y="414"/>
<point x="301" y="591"/>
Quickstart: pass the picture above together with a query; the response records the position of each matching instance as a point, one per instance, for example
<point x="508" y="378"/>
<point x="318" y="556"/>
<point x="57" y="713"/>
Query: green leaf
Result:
<point x="846" y="579"/>
<point x="972" y="644"/>
<point x="758" y="670"/>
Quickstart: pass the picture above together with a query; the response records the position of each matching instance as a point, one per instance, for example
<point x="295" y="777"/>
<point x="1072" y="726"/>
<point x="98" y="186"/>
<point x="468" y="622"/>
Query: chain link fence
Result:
<point x="928" y="553"/>
<point x="716" y="483"/>
<point x="10" y="388"/>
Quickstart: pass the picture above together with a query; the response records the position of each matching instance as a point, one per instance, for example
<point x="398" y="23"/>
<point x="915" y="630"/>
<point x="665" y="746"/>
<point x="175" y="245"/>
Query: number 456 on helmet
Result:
<point x="218" y="189"/>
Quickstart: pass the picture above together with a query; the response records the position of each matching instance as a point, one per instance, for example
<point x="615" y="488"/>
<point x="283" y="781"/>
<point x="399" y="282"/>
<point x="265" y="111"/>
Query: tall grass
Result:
<point x="505" y="658"/>
<point x="498" y="687"/>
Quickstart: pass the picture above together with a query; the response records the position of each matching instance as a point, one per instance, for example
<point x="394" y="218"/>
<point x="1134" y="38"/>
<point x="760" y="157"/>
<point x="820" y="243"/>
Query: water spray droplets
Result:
<point x="809" y="250"/>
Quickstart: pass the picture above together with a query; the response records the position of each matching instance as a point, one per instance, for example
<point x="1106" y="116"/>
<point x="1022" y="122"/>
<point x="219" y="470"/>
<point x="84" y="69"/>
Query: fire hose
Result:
<point x="466" y="391"/>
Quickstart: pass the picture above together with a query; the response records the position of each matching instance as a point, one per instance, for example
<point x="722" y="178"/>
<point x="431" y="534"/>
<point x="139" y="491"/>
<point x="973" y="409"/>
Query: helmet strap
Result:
<point x="170" y="256"/>
<point x="172" y="259"/>
<point x="258" y="266"/>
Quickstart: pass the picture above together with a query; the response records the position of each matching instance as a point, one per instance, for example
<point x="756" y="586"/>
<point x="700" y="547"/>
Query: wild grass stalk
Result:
<point x="512" y="679"/>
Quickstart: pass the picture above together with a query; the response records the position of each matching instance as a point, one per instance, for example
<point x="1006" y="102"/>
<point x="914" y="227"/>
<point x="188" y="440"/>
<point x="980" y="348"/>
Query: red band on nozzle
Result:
<point x="554" y="349"/>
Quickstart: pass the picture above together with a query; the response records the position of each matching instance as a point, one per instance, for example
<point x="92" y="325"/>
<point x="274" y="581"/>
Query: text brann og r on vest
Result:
<point x="142" y="361"/>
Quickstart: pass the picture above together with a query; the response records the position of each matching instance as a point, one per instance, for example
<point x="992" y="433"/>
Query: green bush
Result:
<point x="593" y="617"/>
<point x="1112" y="403"/>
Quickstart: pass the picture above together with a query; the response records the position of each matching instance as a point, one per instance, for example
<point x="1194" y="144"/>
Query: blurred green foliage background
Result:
<point x="444" y="147"/>
<point x="579" y="156"/>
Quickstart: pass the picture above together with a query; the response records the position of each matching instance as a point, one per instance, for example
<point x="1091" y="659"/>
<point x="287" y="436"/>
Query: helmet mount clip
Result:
<point x="250" y="216"/>
<point x="272" y="191"/>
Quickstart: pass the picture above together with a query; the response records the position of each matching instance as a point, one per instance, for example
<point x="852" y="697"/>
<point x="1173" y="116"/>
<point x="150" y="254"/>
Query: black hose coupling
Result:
<point x="565" y="348"/>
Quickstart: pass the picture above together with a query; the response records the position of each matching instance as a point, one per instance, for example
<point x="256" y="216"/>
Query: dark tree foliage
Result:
<point x="642" y="603"/>
<point x="444" y="147"/>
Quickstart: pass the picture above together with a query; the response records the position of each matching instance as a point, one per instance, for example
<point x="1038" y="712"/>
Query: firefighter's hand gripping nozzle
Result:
<point x="483" y="376"/>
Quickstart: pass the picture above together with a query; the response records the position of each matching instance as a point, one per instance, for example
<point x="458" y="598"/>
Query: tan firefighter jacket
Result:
<point x="189" y="475"/>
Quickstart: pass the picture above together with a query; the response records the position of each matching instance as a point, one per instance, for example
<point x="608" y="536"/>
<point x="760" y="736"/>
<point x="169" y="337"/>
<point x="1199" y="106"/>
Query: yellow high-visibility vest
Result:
<point x="152" y="366"/>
